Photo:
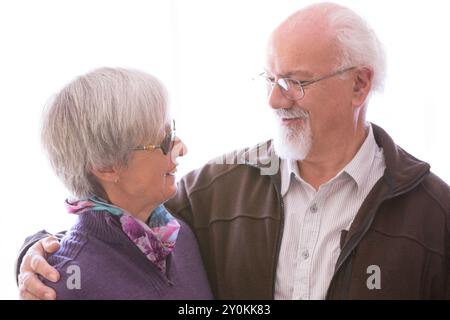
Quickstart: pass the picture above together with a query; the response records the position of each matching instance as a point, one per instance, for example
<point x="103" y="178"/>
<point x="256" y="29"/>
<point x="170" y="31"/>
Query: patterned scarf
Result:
<point x="156" y="240"/>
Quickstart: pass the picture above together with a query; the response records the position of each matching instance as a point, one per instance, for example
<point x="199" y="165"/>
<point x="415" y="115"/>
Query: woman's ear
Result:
<point x="108" y="174"/>
<point x="362" y="86"/>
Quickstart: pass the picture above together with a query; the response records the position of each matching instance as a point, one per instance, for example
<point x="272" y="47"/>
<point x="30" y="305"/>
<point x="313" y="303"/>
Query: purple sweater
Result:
<point x="98" y="261"/>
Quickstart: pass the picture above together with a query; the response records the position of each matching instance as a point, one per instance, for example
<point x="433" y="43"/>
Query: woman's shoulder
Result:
<point x="86" y="255"/>
<point x="69" y="262"/>
<point x="92" y="234"/>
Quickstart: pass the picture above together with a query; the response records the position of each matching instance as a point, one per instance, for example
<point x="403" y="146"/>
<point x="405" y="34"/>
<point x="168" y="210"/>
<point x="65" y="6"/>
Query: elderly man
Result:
<point x="348" y="215"/>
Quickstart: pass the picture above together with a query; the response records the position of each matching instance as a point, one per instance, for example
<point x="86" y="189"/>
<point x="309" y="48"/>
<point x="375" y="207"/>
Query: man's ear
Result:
<point x="106" y="174"/>
<point x="362" y="86"/>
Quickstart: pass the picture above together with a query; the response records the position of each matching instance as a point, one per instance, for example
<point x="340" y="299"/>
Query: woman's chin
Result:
<point x="170" y="192"/>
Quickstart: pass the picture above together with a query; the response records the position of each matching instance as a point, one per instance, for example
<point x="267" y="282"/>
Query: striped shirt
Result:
<point x="314" y="221"/>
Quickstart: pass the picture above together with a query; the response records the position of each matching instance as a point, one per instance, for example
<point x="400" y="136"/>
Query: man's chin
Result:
<point x="293" y="146"/>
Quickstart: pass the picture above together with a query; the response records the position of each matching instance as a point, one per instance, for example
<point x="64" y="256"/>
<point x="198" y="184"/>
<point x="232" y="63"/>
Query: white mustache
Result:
<point x="292" y="114"/>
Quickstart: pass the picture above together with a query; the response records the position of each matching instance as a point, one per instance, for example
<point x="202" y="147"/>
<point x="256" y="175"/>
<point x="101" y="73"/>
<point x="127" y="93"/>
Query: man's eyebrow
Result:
<point x="298" y="72"/>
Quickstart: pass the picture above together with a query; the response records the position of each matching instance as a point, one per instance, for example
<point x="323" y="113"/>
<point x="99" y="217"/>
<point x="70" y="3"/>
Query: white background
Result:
<point x="207" y="53"/>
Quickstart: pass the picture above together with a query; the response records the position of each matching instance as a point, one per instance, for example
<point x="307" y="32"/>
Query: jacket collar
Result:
<point x="403" y="171"/>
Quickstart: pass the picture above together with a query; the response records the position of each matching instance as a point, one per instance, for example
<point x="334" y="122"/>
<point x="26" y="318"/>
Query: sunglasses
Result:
<point x="166" y="145"/>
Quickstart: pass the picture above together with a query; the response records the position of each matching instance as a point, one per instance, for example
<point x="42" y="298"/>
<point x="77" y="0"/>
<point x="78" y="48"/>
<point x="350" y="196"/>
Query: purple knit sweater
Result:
<point x="98" y="261"/>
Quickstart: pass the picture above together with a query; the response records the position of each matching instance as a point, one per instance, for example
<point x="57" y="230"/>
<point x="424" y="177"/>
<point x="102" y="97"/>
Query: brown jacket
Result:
<point x="237" y="215"/>
<point x="402" y="228"/>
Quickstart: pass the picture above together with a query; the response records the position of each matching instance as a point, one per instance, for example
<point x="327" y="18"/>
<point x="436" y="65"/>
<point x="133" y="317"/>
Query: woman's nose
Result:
<point x="183" y="147"/>
<point x="179" y="149"/>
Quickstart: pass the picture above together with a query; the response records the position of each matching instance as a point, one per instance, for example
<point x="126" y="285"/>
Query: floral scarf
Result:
<point x="156" y="240"/>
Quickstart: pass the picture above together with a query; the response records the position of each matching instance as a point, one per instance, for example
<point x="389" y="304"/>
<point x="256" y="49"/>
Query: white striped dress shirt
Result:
<point x="314" y="220"/>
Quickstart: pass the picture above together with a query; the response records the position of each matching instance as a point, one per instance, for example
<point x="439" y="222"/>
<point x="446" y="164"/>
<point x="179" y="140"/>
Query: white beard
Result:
<point x="293" y="142"/>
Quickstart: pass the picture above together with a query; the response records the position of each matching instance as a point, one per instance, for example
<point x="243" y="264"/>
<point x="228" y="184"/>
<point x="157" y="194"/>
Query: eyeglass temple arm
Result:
<point x="307" y="83"/>
<point x="148" y="147"/>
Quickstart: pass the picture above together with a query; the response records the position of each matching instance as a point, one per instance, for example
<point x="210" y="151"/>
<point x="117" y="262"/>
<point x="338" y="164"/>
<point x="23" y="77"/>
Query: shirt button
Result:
<point x="314" y="208"/>
<point x="305" y="254"/>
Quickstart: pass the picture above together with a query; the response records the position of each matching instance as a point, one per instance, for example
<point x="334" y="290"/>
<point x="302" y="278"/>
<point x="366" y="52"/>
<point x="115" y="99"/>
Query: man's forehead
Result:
<point x="288" y="65"/>
<point x="294" y="56"/>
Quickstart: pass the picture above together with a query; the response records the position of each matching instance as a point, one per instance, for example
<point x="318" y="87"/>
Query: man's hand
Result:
<point x="34" y="263"/>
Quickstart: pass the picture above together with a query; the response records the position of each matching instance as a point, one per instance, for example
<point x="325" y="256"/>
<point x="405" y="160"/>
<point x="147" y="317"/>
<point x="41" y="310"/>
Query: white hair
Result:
<point x="293" y="143"/>
<point x="97" y="119"/>
<point x="357" y="41"/>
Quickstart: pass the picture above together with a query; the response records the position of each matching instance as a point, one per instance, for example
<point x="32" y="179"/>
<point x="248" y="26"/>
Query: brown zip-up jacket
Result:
<point x="398" y="246"/>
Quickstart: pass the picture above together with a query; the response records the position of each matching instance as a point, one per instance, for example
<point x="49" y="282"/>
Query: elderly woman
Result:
<point x="110" y="139"/>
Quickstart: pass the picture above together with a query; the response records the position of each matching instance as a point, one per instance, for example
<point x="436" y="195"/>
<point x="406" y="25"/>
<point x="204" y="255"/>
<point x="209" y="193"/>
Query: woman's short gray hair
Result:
<point x="97" y="119"/>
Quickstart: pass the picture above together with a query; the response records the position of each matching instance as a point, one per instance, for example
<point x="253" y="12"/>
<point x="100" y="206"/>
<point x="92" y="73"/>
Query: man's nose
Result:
<point x="276" y="98"/>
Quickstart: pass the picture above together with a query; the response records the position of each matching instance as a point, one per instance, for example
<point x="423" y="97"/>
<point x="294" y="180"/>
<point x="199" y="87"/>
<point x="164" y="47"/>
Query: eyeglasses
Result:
<point x="293" y="89"/>
<point x="166" y="145"/>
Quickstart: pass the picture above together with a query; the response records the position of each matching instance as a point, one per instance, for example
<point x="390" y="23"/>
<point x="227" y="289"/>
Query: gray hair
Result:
<point x="358" y="43"/>
<point x="97" y="119"/>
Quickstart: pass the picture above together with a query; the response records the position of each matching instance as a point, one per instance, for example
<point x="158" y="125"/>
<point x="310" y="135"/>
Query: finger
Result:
<point x="35" y="249"/>
<point x="40" y="265"/>
<point x="25" y="266"/>
<point x="50" y="244"/>
<point x="34" y="262"/>
<point x="30" y="282"/>
<point x="25" y="295"/>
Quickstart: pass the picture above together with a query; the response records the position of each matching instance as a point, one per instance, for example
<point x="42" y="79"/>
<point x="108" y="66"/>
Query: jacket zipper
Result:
<point x="280" y="231"/>
<point x="280" y="237"/>
<point x="349" y="252"/>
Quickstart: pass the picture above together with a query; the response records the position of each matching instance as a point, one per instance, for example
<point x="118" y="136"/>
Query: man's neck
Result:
<point x="324" y="162"/>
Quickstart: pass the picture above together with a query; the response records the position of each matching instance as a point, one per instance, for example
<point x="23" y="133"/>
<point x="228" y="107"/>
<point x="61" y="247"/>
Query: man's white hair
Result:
<point x="356" y="40"/>
<point x="97" y="119"/>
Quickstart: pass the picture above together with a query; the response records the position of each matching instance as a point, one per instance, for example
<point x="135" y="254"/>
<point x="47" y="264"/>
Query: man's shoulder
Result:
<point x="252" y="162"/>
<point x="438" y="191"/>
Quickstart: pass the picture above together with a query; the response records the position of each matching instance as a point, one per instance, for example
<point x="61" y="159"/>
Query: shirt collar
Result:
<point x="289" y="169"/>
<point x="358" y="168"/>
